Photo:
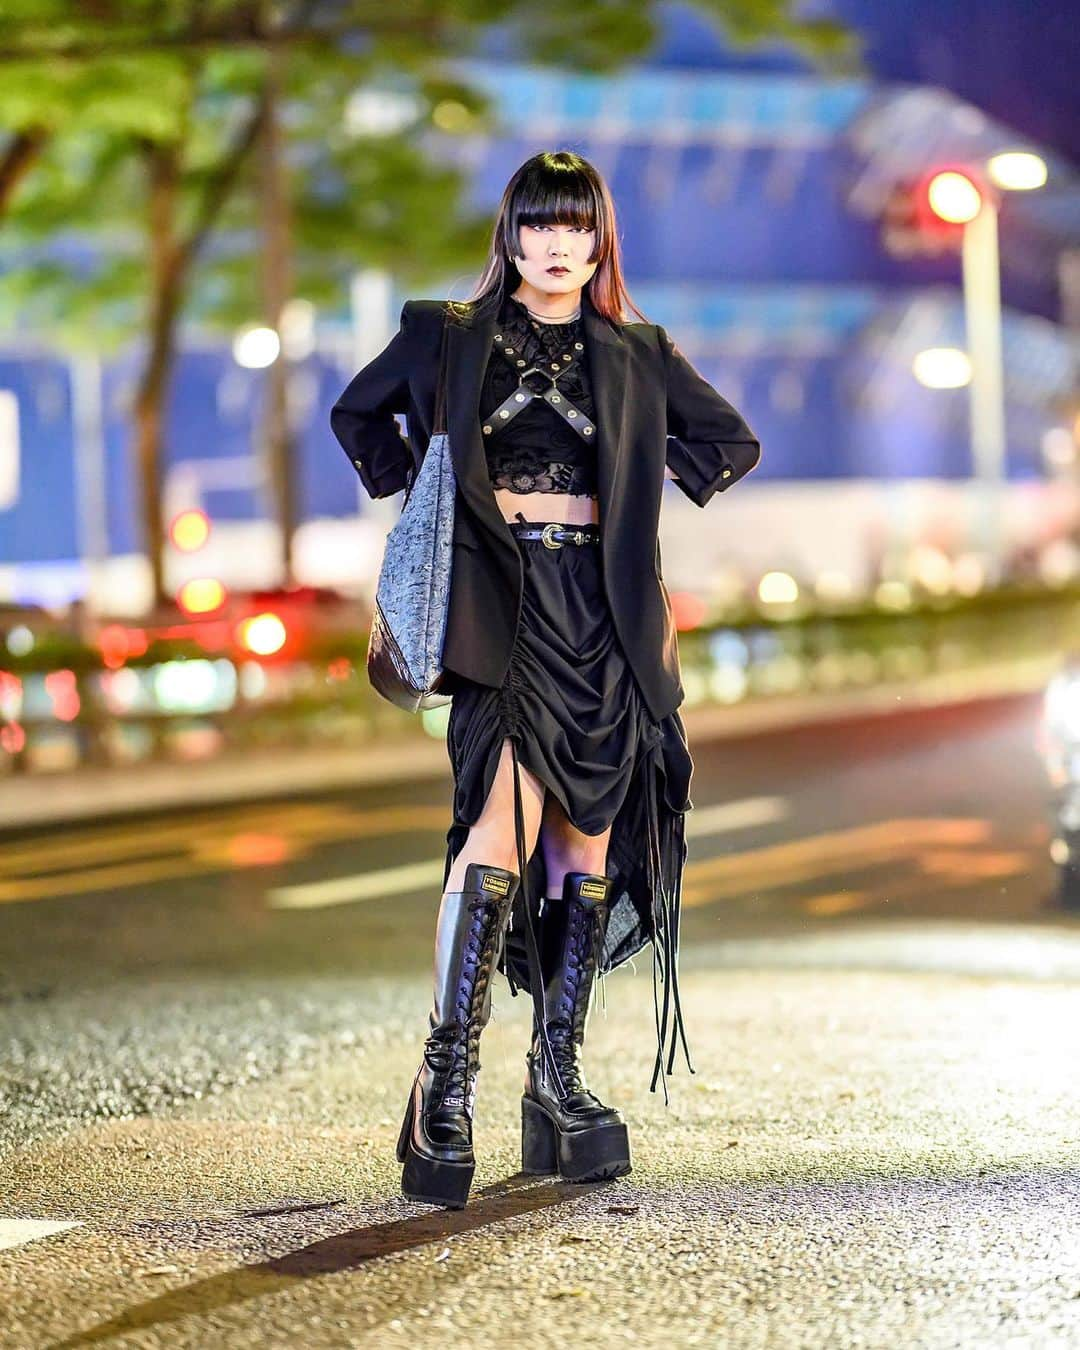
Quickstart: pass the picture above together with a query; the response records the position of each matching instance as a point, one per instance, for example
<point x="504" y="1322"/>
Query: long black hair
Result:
<point x="558" y="187"/>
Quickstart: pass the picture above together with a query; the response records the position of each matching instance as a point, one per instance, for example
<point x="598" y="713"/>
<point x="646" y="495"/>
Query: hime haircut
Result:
<point x="557" y="187"/>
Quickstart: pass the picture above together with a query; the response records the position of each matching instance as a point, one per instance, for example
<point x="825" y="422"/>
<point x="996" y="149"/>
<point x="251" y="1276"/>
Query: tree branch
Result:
<point x="18" y="157"/>
<point x="224" y="178"/>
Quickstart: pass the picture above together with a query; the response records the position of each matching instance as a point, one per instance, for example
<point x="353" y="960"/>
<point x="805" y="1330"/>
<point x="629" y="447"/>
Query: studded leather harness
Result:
<point x="532" y="385"/>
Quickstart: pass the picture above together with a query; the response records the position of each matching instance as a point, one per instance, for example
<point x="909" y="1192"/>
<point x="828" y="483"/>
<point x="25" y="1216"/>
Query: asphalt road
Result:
<point x="210" y="1020"/>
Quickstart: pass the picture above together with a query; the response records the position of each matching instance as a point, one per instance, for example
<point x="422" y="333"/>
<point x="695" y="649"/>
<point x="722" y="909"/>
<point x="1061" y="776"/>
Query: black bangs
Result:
<point x="554" y="197"/>
<point x="558" y="187"/>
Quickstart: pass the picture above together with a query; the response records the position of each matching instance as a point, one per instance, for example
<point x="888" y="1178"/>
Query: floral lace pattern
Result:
<point x="576" y="479"/>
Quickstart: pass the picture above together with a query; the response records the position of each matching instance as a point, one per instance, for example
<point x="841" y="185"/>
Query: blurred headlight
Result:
<point x="1061" y="707"/>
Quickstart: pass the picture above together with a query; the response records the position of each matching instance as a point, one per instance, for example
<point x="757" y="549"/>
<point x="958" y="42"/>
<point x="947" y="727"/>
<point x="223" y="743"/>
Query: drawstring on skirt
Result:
<point x="665" y="859"/>
<point x="532" y="950"/>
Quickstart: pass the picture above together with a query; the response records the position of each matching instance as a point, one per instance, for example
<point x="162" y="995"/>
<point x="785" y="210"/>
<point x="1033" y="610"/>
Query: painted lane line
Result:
<point x="182" y="852"/>
<point x="363" y="886"/>
<point x="813" y="859"/>
<point x="738" y="815"/>
<point x="18" y="1232"/>
<point x="85" y="848"/>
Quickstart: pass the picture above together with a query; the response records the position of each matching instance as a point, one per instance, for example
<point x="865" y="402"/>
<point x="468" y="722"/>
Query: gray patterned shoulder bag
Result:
<point x="404" y="658"/>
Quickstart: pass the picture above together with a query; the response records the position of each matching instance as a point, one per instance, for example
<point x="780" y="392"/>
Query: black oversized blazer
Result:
<point x="652" y="409"/>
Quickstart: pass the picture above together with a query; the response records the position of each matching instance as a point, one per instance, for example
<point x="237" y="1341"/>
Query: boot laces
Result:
<point x="565" y="1048"/>
<point x="566" y="1030"/>
<point x="453" y="1046"/>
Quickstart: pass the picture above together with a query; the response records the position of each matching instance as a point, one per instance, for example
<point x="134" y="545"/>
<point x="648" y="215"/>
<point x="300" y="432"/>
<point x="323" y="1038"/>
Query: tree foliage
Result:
<point x="101" y="82"/>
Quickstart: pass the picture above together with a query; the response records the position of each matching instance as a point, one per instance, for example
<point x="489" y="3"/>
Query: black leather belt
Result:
<point x="554" y="534"/>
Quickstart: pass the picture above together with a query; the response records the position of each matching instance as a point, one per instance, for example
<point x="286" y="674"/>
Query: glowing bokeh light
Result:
<point x="1018" y="170"/>
<point x="190" y="530"/>
<point x="954" y="197"/>
<point x="942" y="368"/>
<point x="778" y="588"/>
<point x="256" y="348"/>
<point x="201" y="595"/>
<point x="263" y="634"/>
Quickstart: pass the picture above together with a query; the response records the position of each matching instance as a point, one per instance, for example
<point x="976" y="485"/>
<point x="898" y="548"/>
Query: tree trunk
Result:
<point x="166" y="281"/>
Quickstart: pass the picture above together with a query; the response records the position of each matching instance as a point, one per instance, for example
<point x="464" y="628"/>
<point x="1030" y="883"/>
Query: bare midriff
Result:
<point x="576" y="509"/>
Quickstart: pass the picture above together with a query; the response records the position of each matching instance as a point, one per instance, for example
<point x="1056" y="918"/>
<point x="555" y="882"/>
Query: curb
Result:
<point x="90" y="793"/>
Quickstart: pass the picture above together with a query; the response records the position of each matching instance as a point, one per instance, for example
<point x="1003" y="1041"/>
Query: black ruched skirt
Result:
<point x="572" y="709"/>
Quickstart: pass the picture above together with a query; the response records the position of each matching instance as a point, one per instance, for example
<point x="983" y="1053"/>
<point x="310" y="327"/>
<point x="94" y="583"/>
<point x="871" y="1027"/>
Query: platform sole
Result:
<point x="599" y="1154"/>
<point x="431" y="1180"/>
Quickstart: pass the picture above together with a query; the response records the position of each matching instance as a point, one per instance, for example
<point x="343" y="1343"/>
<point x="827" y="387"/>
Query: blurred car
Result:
<point x="1059" y="743"/>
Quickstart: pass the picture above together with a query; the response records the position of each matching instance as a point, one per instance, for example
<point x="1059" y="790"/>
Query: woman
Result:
<point x="560" y="651"/>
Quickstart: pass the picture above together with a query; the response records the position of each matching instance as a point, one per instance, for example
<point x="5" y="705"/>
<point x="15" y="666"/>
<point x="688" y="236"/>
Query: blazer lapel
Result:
<point x="468" y="349"/>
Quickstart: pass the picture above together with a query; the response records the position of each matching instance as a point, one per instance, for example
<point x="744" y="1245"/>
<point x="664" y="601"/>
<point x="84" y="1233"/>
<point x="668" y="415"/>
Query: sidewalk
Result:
<point x="53" y="798"/>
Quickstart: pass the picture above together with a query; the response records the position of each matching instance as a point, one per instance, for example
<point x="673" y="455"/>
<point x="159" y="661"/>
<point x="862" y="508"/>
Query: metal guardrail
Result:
<point x="62" y="706"/>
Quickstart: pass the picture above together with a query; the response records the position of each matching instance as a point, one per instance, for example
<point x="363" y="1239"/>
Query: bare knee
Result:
<point x="588" y="857"/>
<point x="568" y="849"/>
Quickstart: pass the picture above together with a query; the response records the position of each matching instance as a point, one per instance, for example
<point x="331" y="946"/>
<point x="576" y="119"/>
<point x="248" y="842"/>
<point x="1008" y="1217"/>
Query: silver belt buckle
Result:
<point x="547" y="534"/>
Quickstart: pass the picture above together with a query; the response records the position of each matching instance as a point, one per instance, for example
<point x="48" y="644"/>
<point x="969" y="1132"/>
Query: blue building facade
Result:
<point x="749" y="194"/>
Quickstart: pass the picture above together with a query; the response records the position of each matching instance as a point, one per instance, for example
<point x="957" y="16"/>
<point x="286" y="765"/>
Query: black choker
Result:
<point x="553" y="323"/>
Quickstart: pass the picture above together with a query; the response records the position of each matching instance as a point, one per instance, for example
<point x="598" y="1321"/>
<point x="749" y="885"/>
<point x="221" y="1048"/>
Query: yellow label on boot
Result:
<point x="592" y="890"/>
<point x="499" y="884"/>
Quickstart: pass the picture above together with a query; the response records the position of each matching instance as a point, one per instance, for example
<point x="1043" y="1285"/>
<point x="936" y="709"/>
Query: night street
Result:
<point x="214" y="1016"/>
<point x="687" y="395"/>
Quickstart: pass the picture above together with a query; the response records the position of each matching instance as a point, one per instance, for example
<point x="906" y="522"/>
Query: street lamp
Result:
<point x="960" y="198"/>
<point x="950" y="207"/>
<point x="942" y="368"/>
<point x="1017" y="170"/>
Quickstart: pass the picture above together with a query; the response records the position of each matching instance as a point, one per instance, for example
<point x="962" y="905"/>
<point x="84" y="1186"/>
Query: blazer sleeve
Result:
<point x="363" y="417"/>
<point x="710" y="446"/>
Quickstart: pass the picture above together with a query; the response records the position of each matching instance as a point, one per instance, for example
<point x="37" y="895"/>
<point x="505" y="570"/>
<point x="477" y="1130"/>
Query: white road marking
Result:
<point x="361" y="886"/>
<point x="17" y="1232"/>
<point x="737" y="815"/>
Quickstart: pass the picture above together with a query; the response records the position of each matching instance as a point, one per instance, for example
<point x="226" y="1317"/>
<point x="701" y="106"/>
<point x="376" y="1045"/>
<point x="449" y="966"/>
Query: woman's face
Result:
<point x="547" y="246"/>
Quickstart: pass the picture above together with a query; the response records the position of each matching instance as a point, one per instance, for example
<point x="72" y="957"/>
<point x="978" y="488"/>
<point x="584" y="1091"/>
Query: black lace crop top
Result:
<point x="536" y="406"/>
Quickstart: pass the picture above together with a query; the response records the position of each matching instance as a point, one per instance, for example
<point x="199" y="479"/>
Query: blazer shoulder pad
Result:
<point x="427" y="317"/>
<point x="646" y="334"/>
<point x="462" y="310"/>
<point x="422" y="309"/>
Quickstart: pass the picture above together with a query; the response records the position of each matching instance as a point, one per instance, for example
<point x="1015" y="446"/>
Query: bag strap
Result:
<point x="439" y="425"/>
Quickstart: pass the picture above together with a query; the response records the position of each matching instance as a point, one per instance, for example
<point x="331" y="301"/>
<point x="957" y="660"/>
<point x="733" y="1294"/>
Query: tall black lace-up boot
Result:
<point x="565" y="1127"/>
<point x="435" y="1142"/>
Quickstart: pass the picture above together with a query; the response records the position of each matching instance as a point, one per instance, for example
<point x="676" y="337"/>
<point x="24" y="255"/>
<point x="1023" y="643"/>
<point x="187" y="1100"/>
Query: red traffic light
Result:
<point x="927" y="215"/>
<point x="953" y="197"/>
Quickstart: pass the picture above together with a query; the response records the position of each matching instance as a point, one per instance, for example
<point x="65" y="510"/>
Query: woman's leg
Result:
<point x="491" y="837"/>
<point x="566" y="848"/>
<point x="435" y="1141"/>
<point x="566" y="1128"/>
